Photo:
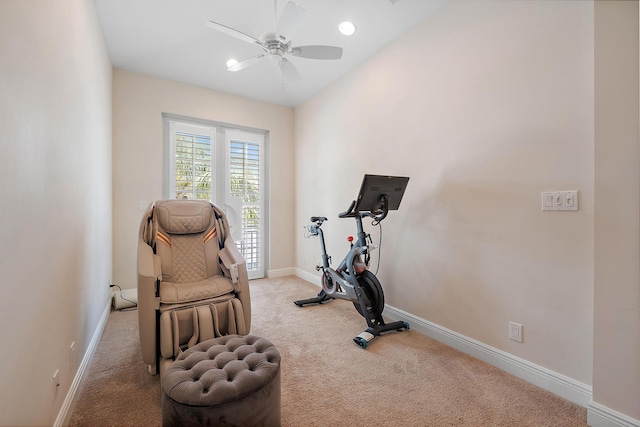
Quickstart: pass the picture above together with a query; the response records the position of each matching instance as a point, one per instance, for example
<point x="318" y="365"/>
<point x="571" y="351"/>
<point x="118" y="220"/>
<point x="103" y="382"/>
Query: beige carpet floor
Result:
<point x="401" y="379"/>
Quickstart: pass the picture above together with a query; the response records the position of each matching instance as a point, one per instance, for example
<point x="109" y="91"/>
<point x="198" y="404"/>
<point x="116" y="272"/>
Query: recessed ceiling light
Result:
<point x="347" y="28"/>
<point x="231" y="62"/>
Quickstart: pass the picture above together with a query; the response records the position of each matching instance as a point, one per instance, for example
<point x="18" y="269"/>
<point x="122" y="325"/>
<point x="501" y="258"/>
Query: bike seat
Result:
<point x="320" y="219"/>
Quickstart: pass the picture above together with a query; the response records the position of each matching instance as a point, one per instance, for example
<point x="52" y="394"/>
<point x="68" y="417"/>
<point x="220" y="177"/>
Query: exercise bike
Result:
<point x="352" y="280"/>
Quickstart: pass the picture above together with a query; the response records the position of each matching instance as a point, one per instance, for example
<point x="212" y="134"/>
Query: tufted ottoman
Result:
<point x="227" y="381"/>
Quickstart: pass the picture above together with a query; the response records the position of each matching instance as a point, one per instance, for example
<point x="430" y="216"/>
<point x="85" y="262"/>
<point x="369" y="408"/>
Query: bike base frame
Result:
<point x="372" y="332"/>
<point x="321" y="298"/>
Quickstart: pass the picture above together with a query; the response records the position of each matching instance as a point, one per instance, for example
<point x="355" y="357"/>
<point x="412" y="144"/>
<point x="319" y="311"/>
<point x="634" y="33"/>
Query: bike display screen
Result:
<point x="375" y="186"/>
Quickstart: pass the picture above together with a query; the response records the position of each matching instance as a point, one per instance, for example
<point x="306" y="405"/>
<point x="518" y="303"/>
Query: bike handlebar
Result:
<point x="383" y="214"/>
<point x="348" y="211"/>
<point x="377" y="215"/>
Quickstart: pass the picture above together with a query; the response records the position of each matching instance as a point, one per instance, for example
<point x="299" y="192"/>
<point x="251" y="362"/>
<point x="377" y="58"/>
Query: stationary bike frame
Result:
<point x="345" y="281"/>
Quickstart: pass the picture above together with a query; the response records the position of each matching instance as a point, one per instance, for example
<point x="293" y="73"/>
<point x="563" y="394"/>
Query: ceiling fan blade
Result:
<point x="246" y="63"/>
<point x="317" y="52"/>
<point x="289" y="70"/>
<point x="289" y="22"/>
<point x="233" y="33"/>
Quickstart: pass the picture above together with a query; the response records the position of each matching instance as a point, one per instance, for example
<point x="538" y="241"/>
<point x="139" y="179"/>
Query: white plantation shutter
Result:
<point x="246" y="183"/>
<point x="192" y="161"/>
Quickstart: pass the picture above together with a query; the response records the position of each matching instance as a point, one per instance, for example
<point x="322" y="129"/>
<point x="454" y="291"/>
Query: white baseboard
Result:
<point x="601" y="416"/>
<point x="568" y="388"/>
<point x="281" y="272"/>
<point x="561" y="385"/>
<point x="69" y="403"/>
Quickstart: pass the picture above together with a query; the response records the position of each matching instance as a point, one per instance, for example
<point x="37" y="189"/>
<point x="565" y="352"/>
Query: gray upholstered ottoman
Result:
<point x="228" y="381"/>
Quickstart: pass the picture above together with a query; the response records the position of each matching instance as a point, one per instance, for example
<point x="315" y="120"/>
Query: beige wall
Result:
<point x="616" y="367"/>
<point x="138" y="104"/>
<point x="484" y="105"/>
<point x="55" y="214"/>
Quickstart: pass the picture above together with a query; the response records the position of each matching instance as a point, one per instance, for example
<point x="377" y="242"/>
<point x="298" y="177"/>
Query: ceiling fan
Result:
<point x="276" y="45"/>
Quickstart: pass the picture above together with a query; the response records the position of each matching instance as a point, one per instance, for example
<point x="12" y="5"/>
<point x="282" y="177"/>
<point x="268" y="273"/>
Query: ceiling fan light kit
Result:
<point x="276" y="45"/>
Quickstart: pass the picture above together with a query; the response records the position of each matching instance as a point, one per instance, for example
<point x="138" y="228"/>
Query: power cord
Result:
<point x="117" y="286"/>
<point x="379" y="224"/>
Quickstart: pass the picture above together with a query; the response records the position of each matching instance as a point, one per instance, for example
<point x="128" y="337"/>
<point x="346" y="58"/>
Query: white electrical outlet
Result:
<point x="72" y="356"/>
<point x="515" y="331"/>
<point x="56" y="384"/>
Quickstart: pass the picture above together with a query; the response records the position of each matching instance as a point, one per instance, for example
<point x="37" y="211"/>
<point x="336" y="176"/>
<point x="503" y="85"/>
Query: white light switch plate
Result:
<point x="560" y="200"/>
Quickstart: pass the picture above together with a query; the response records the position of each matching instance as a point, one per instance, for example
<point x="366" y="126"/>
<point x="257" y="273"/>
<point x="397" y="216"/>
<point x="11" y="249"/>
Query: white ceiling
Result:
<point x="169" y="39"/>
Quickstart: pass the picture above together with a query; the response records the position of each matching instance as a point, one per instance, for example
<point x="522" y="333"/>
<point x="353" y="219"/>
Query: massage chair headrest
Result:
<point x="184" y="216"/>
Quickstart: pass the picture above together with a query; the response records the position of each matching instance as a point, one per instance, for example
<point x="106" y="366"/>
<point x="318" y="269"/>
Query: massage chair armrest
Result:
<point x="231" y="256"/>
<point x="232" y="260"/>
<point x="149" y="271"/>
<point x="244" y="296"/>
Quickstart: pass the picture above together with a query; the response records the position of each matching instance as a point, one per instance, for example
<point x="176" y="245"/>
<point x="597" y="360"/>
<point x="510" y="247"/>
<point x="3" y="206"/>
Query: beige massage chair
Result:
<point x="192" y="280"/>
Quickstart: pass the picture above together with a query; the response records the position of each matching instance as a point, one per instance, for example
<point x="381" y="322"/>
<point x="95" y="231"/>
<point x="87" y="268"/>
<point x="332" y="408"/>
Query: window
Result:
<point x="209" y="161"/>
<point x="193" y="161"/>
